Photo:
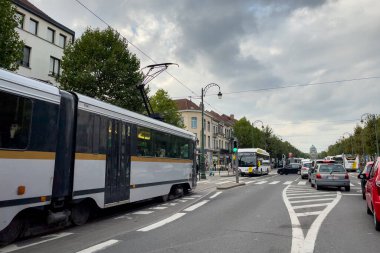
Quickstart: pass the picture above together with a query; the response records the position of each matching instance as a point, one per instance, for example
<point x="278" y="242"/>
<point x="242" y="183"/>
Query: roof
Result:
<point x="186" y="104"/>
<point x="33" y="9"/>
<point x="253" y="150"/>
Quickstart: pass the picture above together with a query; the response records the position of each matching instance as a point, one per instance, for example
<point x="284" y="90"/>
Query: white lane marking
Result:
<point x="158" y="207"/>
<point x="315" y="196"/>
<point x="14" y="247"/>
<point x="195" y="206"/>
<point x="359" y="183"/>
<point x="215" y="195"/>
<point x="308" y="213"/>
<point x="310" y="200"/>
<point x="304" y="193"/>
<point x="203" y="182"/>
<point x="143" y="212"/>
<point x="182" y="200"/>
<point x="311" y="205"/>
<point x="173" y="204"/>
<point x="223" y="182"/>
<point x="302" y="183"/>
<point x="288" y="182"/>
<point x="162" y="222"/>
<point x="300" y="191"/>
<point x="196" y="196"/>
<point x="250" y="182"/>
<point x="188" y="198"/>
<point x="351" y="194"/>
<point x="351" y="184"/>
<point x="300" y="243"/>
<point x="261" y="182"/>
<point x="274" y="182"/>
<point x="99" y="246"/>
<point x="121" y="217"/>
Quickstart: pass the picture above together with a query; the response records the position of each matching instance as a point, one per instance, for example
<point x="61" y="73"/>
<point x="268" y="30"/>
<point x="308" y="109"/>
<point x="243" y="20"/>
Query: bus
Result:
<point x="63" y="155"/>
<point x="253" y="161"/>
<point x="350" y="162"/>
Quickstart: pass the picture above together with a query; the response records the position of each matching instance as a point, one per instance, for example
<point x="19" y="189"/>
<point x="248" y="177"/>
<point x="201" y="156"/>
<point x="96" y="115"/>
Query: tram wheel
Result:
<point x="80" y="213"/>
<point x="12" y="231"/>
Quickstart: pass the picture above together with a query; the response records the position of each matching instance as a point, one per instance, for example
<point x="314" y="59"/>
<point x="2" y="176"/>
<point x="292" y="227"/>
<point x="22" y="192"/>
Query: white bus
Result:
<point x="350" y="162"/>
<point x="64" y="155"/>
<point x="253" y="161"/>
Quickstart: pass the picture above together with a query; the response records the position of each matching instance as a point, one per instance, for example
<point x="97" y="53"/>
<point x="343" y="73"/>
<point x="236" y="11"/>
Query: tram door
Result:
<point x="118" y="162"/>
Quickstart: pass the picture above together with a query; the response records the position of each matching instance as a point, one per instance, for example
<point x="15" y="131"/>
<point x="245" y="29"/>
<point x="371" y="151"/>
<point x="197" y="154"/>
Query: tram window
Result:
<point x="184" y="149"/>
<point x="103" y="135"/>
<point x="85" y="127"/>
<point x="144" y="142"/>
<point x="96" y="138"/>
<point x="15" y="115"/>
<point x="162" y="145"/>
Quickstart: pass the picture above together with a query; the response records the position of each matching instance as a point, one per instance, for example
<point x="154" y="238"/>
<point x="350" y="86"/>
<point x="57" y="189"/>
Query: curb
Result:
<point x="229" y="185"/>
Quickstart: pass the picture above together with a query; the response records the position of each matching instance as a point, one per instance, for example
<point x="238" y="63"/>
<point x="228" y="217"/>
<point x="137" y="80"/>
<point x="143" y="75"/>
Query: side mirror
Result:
<point x="362" y="176"/>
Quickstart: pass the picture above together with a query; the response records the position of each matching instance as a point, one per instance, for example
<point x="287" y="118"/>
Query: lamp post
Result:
<point x="362" y="121"/>
<point x="352" y="146"/>
<point x="202" y="162"/>
<point x="253" y="125"/>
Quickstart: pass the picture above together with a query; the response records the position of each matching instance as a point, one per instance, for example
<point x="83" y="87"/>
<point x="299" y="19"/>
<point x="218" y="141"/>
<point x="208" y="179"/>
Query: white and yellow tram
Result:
<point x="63" y="153"/>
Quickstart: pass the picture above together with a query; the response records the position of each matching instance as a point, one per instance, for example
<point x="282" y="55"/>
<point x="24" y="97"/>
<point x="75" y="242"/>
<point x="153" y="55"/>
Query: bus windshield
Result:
<point x="247" y="159"/>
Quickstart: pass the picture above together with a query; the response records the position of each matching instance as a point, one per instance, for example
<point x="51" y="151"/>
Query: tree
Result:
<point x="167" y="108"/>
<point x="10" y="43"/>
<point x="243" y="132"/>
<point x="100" y="65"/>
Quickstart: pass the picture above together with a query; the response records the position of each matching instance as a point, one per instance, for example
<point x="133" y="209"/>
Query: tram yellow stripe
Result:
<point x="159" y="160"/>
<point x="85" y="156"/>
<point x="20" y="154"/>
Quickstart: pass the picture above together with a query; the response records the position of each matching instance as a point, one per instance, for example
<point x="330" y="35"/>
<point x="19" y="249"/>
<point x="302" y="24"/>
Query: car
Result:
<point x="305" y="170"/>
<point x="329" y="175"/>
<point x="365" y="171"/>
<point x="290" y="168"/>
<point x="372" y="192"/>
<point x="316" y="162"/>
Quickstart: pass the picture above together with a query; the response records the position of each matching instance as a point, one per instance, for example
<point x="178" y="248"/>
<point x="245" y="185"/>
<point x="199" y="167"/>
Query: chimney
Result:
<point x="232" y="116"/>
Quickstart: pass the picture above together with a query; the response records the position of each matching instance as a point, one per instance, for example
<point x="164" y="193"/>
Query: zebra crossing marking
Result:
<point x="302" y="183"/>
<point x="274" y="182"/>
<point x="261" y="182"/>
<point x="288" y="182"/>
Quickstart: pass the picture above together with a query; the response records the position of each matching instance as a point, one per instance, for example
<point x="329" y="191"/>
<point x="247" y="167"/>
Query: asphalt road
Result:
<point x="269" y="214"/>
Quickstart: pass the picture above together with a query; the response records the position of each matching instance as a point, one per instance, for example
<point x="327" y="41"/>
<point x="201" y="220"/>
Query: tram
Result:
<point x="63" y="154"/>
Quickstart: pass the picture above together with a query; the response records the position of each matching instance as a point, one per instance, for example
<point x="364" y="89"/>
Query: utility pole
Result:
<point x="236" y="159"/>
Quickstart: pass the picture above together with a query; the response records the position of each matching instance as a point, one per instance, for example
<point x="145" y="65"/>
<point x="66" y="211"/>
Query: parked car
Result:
<point x="290" y="168"/>
<point x="329" y="174"/>
<point x="305" y="170"/>
<point x="316" y="162"/>
<point x="372" y="192"/>
<point x="365" y="171"/>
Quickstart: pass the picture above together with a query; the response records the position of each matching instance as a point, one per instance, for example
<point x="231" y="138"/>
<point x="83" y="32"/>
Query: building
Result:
<point x="45" y="40"/>
<point x="313" y="152"/>
<point x="218" y="131"/>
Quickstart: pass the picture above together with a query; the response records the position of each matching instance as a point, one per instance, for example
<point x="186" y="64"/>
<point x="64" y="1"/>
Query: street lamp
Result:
<point x="352" y="146"/>
<point x="202" y="162"/>
<point x="253" y="125"/>
<point x="362" y="121"/>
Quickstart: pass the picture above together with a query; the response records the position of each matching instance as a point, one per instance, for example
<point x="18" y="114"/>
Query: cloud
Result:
<point x="245" y="45"/>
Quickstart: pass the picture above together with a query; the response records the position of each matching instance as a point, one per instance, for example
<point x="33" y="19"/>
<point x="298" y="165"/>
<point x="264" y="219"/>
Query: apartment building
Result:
<point x="218" y="130"/>
<point x="45" y="40"/>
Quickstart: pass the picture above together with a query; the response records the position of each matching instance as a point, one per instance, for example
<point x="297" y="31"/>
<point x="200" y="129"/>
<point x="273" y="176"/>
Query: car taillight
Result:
<point x="346" y="176"/>
<point x="318" y="176"/>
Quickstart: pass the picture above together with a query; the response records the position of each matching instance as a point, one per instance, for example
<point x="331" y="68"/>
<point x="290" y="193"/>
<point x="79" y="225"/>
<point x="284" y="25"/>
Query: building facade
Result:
<point x="218" y="131"/>
<point x="44" y="39"/>
<point x="313" y="152"/>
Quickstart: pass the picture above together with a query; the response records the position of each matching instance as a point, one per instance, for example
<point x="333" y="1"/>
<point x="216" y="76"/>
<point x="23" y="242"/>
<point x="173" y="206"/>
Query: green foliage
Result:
<point x="250" y="137"/>
<point x="10" y="44"/>
<point x="100" y="65"/>
<point x="167" y="108"/>
<point x="363" y="140"/>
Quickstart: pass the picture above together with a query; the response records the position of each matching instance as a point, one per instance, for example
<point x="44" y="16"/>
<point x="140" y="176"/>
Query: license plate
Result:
<point x="250" y="169"/>
<point x="330" y="177"/>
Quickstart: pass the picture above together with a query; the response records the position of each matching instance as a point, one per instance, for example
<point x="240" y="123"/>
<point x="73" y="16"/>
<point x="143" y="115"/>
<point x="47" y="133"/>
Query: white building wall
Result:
<point x="41" y="48"/>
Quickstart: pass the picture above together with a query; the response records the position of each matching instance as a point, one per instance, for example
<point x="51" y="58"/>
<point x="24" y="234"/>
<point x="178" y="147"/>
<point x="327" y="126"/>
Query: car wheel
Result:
<point x="347" y="188"/>
<point x="281" y="172"/>
<point x="377" y="222"/>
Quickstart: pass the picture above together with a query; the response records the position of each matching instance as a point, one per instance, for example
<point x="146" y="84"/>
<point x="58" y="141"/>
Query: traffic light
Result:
<point x="235" y="147"/>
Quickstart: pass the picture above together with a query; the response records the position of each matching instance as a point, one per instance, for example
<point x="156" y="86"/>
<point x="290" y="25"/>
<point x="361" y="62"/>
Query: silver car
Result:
<point x="333" y="175"/>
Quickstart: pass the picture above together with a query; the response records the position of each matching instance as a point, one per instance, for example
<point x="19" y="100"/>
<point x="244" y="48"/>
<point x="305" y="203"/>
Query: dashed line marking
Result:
<point x="188" y="198"/>
<point x="162" y="222"/>
<point x="143" y="212"/>
<point x="195" y="206"/>
<point x="288" y="182"/>
<point x="302" y="183"/>
<point x="215" y="195"/>
<point x="274" y="182"/>
<point x="158" y="207"/>
<point x="99" y="246"/>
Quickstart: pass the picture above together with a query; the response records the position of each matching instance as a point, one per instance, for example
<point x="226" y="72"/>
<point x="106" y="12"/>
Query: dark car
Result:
<point x="290" y="168"/>
<point x="365" y="171"/>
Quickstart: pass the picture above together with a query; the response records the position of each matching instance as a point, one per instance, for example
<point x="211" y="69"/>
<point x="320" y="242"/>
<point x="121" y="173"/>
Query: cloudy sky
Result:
<point x="245" y="46"/>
